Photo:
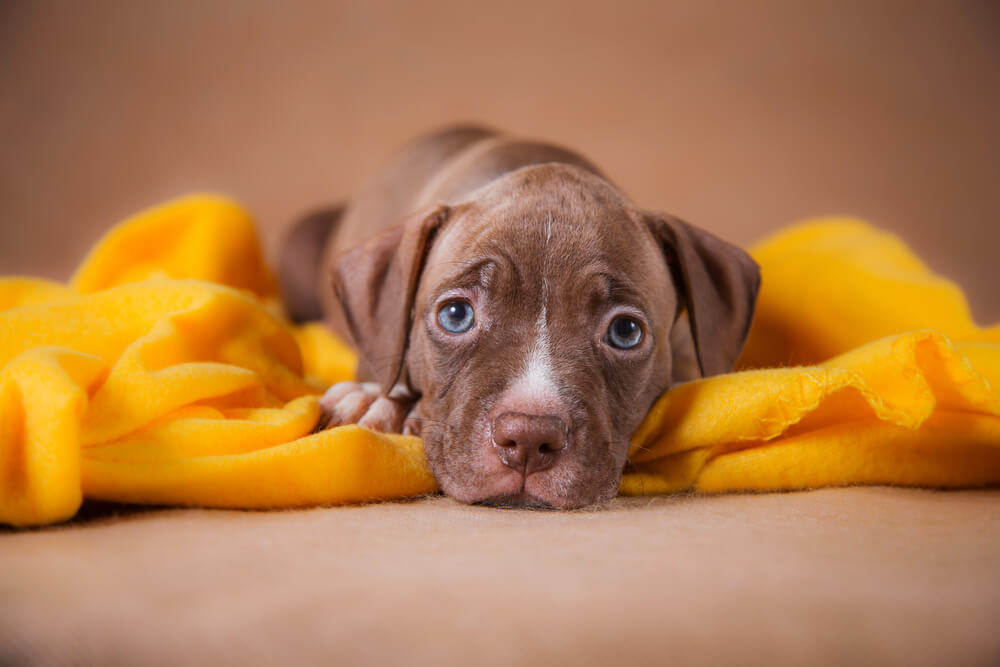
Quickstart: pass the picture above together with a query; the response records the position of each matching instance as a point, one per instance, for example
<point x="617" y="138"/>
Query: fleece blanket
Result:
<point x="165" y="373"/>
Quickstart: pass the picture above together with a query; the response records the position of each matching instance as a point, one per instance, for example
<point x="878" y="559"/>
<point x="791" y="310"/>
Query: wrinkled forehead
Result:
<point x="557" y="243"/>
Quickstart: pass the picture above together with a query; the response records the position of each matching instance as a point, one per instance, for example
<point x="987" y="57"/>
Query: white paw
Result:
<point x="412" y="423"/>
<point x="365" y="405"/>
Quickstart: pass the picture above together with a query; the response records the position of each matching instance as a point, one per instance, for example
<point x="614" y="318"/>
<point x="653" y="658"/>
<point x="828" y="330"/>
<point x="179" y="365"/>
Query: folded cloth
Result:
<point x="913" y="408"/>
<point x="165" y="374"/>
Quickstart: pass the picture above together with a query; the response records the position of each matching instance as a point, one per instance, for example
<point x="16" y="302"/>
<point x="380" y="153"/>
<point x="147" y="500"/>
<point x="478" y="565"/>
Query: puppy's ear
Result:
<point x="301" y="259"/>
<point x="376" y="283"/>
<point x="719" y="285"/>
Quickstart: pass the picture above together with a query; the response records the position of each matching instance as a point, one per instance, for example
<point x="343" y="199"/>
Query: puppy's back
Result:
<point x="395" y="188"/>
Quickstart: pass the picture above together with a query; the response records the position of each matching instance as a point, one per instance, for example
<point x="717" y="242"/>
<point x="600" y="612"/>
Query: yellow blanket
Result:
<point x="164" y="373"/>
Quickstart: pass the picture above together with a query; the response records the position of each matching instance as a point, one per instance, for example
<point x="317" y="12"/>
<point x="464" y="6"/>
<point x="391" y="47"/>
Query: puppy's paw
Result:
<point x="386" y="414"/>
<point x="364" y="405"/>
<point x="413" y="422"/>
<point x="346" y="403"/>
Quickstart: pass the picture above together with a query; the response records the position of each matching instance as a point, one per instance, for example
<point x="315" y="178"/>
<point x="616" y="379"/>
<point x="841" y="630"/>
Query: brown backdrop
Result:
<point x="739" y="116"/>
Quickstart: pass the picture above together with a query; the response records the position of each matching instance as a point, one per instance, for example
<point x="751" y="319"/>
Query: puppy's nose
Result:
<point x="528" y="442"/>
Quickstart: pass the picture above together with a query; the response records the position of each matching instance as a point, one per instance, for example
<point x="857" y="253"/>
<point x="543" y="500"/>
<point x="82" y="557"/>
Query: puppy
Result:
<point x="517" y="311"/>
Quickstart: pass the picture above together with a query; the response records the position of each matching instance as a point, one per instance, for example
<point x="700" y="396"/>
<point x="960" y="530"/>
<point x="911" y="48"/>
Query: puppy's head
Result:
<point x="535" y="322"/>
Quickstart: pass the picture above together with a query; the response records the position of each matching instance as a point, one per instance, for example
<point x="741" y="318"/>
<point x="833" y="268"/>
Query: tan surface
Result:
<point x="739" y="116"/>
<point x="838" y="577"/>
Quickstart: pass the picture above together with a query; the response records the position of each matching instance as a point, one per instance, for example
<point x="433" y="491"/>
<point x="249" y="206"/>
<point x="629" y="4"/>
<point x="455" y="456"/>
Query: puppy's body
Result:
<point x="519" y="309"/>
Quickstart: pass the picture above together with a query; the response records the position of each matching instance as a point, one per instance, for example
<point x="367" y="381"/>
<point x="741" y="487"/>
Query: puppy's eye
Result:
<point x="456" y="316"/>
<point x="624" y="333"/>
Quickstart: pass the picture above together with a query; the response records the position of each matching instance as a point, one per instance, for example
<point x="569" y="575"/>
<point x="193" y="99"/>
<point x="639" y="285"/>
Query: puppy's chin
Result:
<point x="517" y="501"/>
<point x="507" y="489"/>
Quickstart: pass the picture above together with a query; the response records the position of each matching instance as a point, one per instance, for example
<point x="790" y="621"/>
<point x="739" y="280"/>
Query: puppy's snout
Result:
<point x="528" y="442"/>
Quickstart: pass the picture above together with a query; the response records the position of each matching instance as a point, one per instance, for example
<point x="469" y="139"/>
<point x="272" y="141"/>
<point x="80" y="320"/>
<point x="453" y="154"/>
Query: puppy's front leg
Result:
<point x="365" y="405"/>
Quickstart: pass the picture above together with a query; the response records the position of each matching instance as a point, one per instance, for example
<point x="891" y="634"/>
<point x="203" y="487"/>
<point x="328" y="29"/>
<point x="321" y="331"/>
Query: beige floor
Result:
<point x="836" y="577"/>
<point x="739" y="116"/>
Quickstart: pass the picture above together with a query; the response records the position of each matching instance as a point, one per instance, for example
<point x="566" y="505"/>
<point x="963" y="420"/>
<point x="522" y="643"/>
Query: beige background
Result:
<point x="739" y="116"/>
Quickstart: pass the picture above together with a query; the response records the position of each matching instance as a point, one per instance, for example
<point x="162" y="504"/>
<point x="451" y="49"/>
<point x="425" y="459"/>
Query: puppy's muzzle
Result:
<point x="529" y="443"/>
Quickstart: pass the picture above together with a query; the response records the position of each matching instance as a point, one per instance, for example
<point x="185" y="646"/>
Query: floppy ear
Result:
<point x="301" y="259"/>
<point x="376" y="284"/>
<point x="719" y="284"/>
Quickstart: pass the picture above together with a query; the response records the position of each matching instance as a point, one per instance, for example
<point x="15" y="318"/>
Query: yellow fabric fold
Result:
<point x="207" y="238"/>
<point x="833" y="284"/>
<point x="907" y="409"/>
<point x="164" y="373"/>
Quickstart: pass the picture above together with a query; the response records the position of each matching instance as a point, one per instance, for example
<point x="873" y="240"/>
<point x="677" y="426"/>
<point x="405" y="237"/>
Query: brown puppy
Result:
<point x="517" y="311"/>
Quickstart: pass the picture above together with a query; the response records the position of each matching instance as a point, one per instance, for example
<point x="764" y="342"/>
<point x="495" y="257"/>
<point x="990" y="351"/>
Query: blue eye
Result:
<point x="624" y="333"/>
<point x="456" y="316"/>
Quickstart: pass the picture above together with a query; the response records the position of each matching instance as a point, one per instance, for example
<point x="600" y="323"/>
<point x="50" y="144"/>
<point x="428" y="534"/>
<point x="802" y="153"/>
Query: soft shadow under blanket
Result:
<point x="164" y="373"/>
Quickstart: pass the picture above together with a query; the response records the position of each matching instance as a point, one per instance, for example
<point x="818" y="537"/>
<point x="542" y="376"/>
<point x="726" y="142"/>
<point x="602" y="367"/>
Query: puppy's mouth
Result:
<point x="474" y="470"/>
<point x="522" y="500"/>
